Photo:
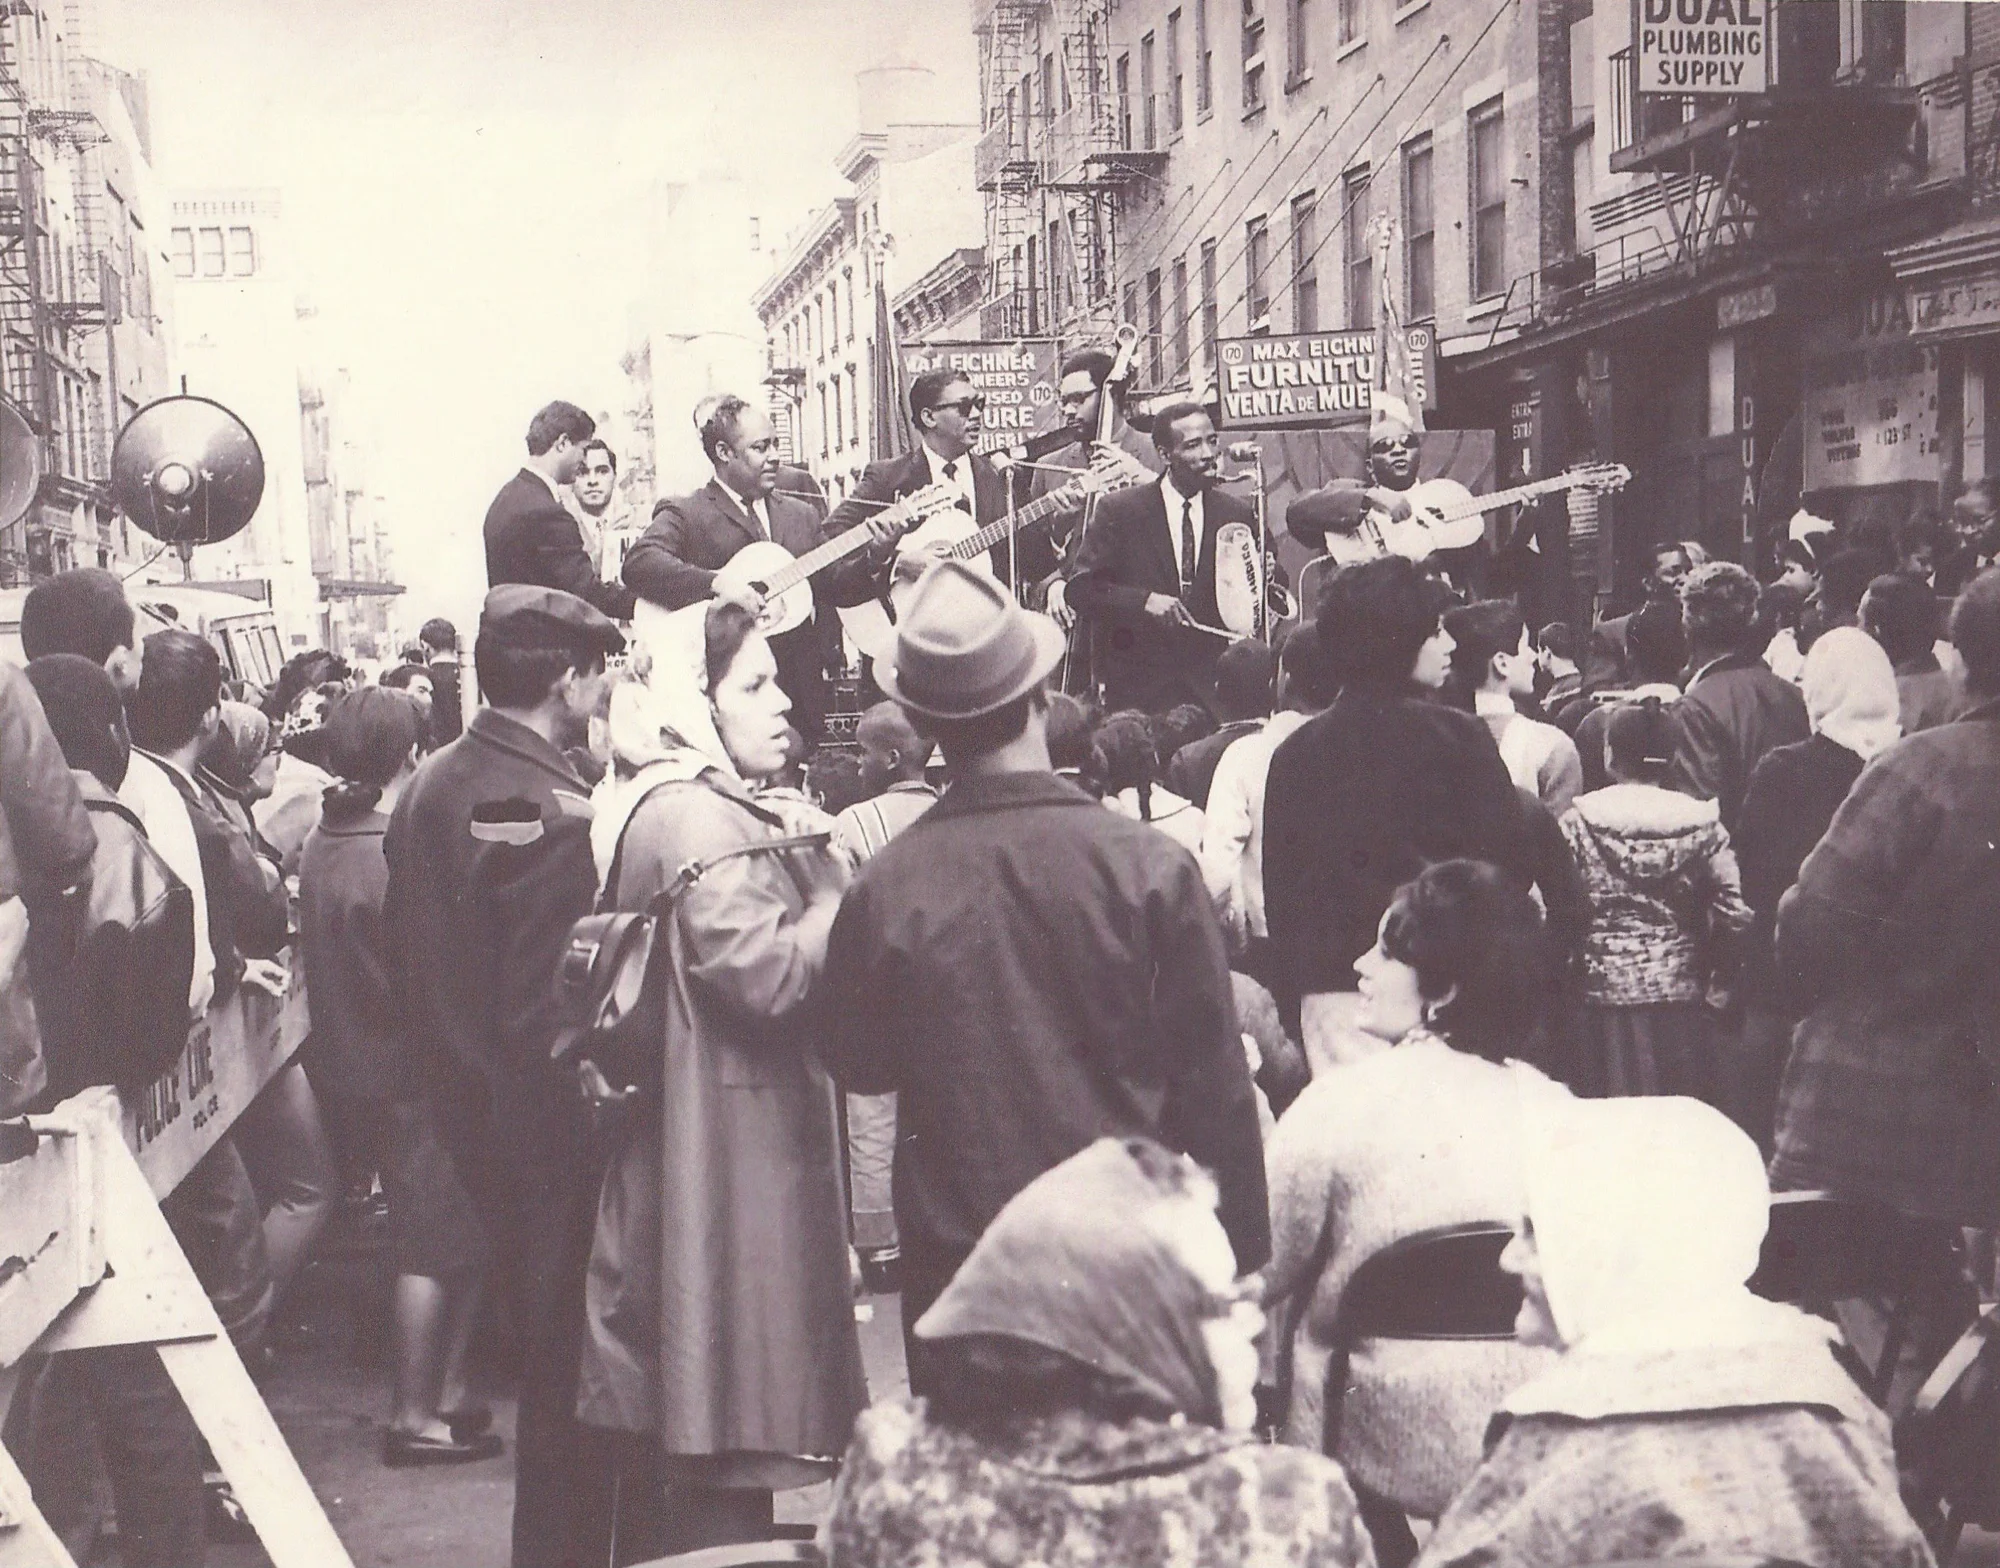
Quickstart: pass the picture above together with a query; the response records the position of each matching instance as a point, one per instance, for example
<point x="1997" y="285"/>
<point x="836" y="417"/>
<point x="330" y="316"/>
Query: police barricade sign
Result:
<point x="1312" y="380"/>
<point x="1705" y="48"/>
<point x="1017" y="377"/>
<point x="232" y="1053"/>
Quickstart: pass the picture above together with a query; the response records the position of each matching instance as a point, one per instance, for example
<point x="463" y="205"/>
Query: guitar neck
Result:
<point x="1514" y="497"/>
<point x="976" y="544"/>
<point x="817" y="559"/>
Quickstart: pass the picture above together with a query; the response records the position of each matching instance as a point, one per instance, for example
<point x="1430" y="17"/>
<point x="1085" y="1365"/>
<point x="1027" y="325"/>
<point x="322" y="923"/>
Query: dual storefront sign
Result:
<point x="1703" y="48"/>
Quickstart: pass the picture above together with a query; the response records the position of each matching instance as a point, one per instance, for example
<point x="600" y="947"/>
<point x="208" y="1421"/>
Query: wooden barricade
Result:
<point x="87" y="1261"/>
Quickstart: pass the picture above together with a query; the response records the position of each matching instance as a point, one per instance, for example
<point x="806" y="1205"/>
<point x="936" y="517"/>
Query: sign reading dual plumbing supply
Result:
<point x="1710" y="48"/>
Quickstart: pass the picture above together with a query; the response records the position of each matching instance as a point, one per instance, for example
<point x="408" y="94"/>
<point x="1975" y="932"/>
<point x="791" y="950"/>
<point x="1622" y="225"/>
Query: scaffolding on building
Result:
<point x="56" y="286"/>
<point x="1057" y="151"/>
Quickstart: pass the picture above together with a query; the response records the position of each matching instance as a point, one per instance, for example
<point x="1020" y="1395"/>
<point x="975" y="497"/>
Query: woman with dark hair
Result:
<point x="1072" y="728"/>
<point x="1383" y="783"/>
<point x="1126" y="765"/>
<point x="1421" y="1133"/>
<point x="373" y="740"/>
<point x="1686" y="1420"/>
<point x="1666" y="906"/>
<point x="720" y="1343"/>
<point x="1095" y="1399"/>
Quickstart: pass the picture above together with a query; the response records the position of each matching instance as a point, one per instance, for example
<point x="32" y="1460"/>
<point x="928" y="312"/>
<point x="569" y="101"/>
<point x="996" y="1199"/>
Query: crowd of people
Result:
<point x="1135" y="1046"/>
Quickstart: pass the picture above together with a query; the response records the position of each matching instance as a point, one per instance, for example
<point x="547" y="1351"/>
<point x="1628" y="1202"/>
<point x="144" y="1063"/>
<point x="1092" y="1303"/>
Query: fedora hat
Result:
<point x="964" y="648"/>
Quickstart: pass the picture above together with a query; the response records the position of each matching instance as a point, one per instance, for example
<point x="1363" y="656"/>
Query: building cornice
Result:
<point x="830" y="228"/>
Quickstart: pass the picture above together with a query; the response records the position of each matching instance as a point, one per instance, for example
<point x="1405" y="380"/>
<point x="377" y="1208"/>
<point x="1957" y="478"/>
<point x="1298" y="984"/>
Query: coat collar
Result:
<point x="369" y="825"/>
<point x="731" y="508"/>
<point x="1728" y="662"/>
<point x="1006" y="792"/>
<point x="495" y="730"/>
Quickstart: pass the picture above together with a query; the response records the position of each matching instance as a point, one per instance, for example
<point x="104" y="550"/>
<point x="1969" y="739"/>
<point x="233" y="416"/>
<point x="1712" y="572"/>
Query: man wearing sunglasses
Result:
<point x="948" y="416"/>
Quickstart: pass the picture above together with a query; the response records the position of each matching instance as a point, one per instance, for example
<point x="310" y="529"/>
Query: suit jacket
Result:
<point x="692" y="537"/>
<point x="1128" y="554"/>
<point x="865" y="575"/>
<point x="530" y="538"/>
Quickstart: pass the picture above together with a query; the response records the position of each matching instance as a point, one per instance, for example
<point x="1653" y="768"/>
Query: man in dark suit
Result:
<point x="1145" y="575"/>
<point x="530" y="535"/>
<point x="948" y="416"/>
<point x="680" y="558"/>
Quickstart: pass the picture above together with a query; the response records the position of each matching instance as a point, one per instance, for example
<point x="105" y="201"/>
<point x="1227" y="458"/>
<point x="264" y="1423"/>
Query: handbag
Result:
<point x="607" y="1006"/>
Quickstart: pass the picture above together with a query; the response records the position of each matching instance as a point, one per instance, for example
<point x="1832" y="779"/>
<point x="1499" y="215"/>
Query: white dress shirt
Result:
<point x="960" y="479"/>
<point x="154" y="800"/>
<point x="758" y="511"/>
<point x="1232" y="842"/>
<point x="1175" y="502"/>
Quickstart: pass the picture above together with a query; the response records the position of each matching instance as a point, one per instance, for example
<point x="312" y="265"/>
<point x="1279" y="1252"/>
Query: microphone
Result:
<point x="1245" y="452"/>
<point x="1236" y="479"/>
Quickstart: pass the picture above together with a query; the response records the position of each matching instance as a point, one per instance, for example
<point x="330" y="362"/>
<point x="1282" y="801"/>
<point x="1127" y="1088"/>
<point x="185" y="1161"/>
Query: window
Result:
<point x="1257" y="267"/>
<point x="1419" y="228"/>
<point x="1148" y="115"/>
<point x="211" y="253"/>
<point x="1056" y="279"/>
<point x="1210" y="324"/>
<point x="1305" y="265"/>
<point x="1121" y="79"/>
<point x="839" y="413"/>
<point x="825" y="428"/>
<point x="853" y="406"/>
<point x="242" y="253"/>
<point x="1349" y="21"/>
<point x="1298" y="50"/>
<point x="1357" y="249"/>
<point x="1253" y="55"/>
<point x="183" y="240"/>
<point x="1488" y="141"/>
<point x="1204" y="61"/>
<point x="1174" y="82"/>
<point x="1048" y="87"/>
<point x="1180" y="310"/>
<point x="1156" y="343"/>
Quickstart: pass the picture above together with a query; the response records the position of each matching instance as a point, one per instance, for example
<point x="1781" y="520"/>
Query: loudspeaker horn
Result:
<point x="187" y="471"/>
<point x="20" y="466"/>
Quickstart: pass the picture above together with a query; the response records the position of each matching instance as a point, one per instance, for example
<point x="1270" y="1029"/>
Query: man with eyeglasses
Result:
<point x="948" y="416"/>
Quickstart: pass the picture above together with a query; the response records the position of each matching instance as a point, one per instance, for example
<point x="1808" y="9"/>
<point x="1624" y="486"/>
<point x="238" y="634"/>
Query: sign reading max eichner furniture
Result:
<point x="1710" y="48"/>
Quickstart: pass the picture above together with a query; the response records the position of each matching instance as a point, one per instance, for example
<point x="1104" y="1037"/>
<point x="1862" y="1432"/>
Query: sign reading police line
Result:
<point x="1312" y="380"/>
<point x="1709" y="48"/>
<point x="1017" y="377"/>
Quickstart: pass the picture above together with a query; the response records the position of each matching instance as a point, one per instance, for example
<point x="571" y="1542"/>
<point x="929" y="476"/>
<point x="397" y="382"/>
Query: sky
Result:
<point x="466" y="184"/>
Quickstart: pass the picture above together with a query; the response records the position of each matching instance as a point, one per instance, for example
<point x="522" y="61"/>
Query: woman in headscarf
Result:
<point x="1422" y="1133"/>
<point x="239" y="760"/>
<point x="1096" y="1393"/>
<point x="1851" y="698"/>
<point x="720" y="1335"/>
<point x="1686" y="1418"/>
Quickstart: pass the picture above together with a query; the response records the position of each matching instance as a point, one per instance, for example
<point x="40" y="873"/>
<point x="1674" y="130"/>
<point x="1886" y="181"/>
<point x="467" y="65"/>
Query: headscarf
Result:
<point x="1071" y="1265"/>
<point x="660" y="726"/>
<point x="1850" y="691"/>
<point x="1649" y="1215"/>
<point x="85" y="714"/>
<point x="239" y="744"/>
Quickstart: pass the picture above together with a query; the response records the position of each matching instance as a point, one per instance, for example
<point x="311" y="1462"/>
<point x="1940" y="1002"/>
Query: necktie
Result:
<point x="951" y="475"/>
<point x="758" y="519"/>
<point x="1187" y="543"/>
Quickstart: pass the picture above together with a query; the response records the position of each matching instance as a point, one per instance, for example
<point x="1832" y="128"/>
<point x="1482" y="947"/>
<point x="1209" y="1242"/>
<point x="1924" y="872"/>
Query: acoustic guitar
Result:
<point x="1444" y="515"/>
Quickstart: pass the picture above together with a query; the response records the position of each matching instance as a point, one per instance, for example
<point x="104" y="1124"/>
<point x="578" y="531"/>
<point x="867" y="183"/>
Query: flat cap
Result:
<point x="1339" y="508"/>
<point x="522" y="615"/>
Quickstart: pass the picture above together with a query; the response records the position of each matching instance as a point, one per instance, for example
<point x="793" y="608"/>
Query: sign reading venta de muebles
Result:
<point x="1716" y="48"/>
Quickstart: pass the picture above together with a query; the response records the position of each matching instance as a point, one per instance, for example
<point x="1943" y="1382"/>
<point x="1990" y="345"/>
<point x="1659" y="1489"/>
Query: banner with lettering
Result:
<point x="1313" y="380"/>
<point x="1016" y="376"/>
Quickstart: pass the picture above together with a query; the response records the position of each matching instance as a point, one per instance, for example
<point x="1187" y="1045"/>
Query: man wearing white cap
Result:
<point x="1029" y="971"/>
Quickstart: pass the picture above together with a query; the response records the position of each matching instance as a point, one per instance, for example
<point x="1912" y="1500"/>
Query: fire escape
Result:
<point x="54" y="288"/>
<point x="1060" y="143"/>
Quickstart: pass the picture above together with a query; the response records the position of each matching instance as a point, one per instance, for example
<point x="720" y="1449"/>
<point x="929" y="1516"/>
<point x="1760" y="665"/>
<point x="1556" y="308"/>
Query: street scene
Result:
<point x="999" y="784"/>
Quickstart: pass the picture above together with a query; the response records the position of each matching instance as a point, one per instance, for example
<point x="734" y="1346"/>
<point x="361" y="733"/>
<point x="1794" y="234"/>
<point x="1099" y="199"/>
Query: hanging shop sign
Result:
<point x="1706" y="48"/>
<point x="1312" y="380"/>
<point x="1016" y="376"/>
<point x="1871" y="399"/>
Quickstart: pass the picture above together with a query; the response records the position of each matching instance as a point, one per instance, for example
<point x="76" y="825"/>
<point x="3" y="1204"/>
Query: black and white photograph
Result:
<point x="1000" y="784"/>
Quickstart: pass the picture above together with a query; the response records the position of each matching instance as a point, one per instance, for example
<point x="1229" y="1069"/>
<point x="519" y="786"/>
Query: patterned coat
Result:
<point x="1760" y="1451"/>
<point x="1663" y="887"/>
<point x="1071" y="1491"/>
<point x="1404" y="1141"/>
<point x="1892" y="939"/>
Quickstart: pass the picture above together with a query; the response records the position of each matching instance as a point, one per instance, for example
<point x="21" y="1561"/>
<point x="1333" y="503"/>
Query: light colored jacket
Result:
<point x="1232" y="839"/>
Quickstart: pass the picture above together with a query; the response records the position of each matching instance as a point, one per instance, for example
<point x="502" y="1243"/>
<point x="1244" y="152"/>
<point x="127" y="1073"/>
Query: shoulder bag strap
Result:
<point x="116" y="808"/>
<point x="695" y="870"/>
